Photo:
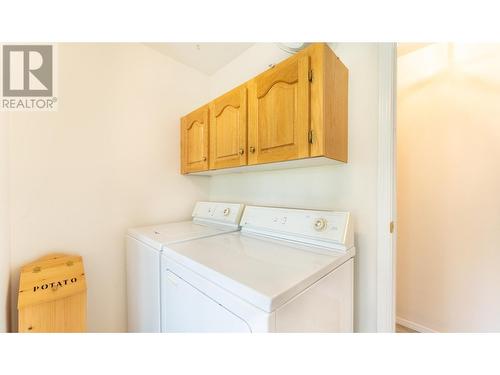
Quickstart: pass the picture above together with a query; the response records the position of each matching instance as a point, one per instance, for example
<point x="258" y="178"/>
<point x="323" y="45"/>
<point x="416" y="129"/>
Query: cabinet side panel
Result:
<point x="336" y="107"/>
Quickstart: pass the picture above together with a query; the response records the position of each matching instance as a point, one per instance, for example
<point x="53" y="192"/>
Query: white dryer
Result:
<point x="144" y="247"/>
<point x="288" y="270"/>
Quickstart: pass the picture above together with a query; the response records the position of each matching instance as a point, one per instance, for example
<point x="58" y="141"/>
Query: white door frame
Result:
<point x="386" y="194"/>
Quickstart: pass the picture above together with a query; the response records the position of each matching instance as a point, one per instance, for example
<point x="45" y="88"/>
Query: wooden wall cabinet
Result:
<point x="296" y="110"/>
<point x="194" y="141"/>
<point x="279" y="112"/>
<point x="228" y="130"/>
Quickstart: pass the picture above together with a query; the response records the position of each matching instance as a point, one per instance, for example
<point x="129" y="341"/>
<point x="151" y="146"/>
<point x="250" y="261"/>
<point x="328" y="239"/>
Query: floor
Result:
<point x="403" y="329"/>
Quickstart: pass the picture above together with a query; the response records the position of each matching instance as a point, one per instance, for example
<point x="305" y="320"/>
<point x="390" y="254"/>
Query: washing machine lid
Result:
<point x="263" y="272"/>
<point x="209" y="219"/>
<point x="158" y="235"/>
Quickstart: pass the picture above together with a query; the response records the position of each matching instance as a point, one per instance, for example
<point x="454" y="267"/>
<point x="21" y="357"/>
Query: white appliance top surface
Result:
<point x="264" y="272"/>
<point x="158" y="235"/>
<point x="209" y="219"/>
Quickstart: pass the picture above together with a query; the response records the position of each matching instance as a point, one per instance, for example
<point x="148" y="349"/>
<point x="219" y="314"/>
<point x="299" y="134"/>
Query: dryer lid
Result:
<point x="265" y="273"/>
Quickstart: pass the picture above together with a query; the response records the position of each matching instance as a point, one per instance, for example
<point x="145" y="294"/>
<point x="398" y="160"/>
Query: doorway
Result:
<point x="448" y="183"/>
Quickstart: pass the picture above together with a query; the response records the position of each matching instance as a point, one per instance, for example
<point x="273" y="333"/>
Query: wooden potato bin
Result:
<point x="53" y="295"/>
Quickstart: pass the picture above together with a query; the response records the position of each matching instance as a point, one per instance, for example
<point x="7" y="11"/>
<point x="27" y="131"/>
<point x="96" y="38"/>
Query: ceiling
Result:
<point x="474" y="63"/>
<point x="406" y="48"/>
<point x="206" y="57"/>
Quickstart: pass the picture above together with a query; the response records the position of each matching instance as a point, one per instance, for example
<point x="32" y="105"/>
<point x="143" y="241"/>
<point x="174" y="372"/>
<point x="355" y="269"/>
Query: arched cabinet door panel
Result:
<point x="194" y="141"/>
<point x="228" y="130"/>
<point x="279" y="112"/>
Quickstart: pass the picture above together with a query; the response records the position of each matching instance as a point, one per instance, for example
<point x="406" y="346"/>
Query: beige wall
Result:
<point x="448" y="271"/>
<point x="350" y="187"/>
<point x="107" y="160"/>
<point x="4" y="224"/>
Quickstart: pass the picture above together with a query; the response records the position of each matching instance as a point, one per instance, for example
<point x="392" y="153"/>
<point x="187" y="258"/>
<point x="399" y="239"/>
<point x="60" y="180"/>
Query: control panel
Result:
<point x="228" y="213"/>
<point x="326" y="228"/>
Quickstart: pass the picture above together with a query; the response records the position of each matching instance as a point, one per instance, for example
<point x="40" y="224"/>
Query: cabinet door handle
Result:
<point x="242" y="151"/>
<point x="204" y="158"/>
<point x="252" y="149"/>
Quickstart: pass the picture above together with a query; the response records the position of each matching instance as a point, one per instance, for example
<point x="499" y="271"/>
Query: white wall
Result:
<point x="107" y="160"/>
<point x="351" y="187"/>
<point x="4" y="224"/>
<point x="448" y="271"/>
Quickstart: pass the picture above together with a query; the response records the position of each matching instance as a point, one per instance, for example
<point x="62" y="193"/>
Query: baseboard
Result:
<point x="414" y="326"/>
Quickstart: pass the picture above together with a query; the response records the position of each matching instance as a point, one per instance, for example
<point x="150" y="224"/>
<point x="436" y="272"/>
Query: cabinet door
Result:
<point x="279" y="112"/>
<point x="228" y="130"/>
<point x="194" y="141"/>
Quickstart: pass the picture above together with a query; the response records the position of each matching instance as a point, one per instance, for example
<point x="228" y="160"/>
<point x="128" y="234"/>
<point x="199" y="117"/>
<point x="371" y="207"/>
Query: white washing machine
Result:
<point x="144" y="246"/>
<point x="288" y="270"/>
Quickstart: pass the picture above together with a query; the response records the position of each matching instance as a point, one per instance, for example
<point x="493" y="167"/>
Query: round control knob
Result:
<point x="320" y="224"/>
<point x="226" y="211"/>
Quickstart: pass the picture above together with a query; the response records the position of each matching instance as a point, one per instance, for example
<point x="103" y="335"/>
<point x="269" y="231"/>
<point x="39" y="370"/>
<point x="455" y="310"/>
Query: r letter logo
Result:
<point x="28" y="77"/>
